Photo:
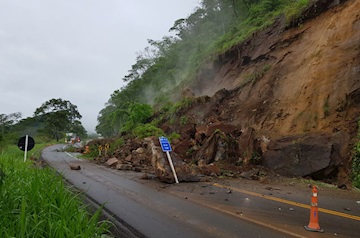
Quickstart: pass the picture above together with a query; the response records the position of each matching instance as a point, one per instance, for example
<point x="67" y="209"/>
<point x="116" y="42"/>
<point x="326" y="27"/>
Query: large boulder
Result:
<point x="246" y="143"/>
<point x="316" y="155"/>
<point x="160" y="164"/>
<point x="226" y="128"/>
<point x="219" y="146"/>
<point x="182" y="147"/>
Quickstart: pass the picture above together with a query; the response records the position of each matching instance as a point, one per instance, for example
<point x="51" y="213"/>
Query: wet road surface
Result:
<point x="194" y="210"/>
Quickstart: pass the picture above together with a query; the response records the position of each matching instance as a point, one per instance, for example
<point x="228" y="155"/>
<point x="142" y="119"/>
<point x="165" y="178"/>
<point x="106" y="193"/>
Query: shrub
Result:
<point x="355" y="169"/>
<point x="183" y="120"/>
<point x="116" y="144"/>
<point x="146" y="130"/>
<point x="173" y="136"/>
<point x="356" y="166"/>
<point x="41" y="205"/>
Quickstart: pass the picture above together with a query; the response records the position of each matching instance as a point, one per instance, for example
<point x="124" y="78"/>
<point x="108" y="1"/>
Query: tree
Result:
<point x="168" y="65"/>
<point x="78" y="129"/>
<point x="59" y="116"/>
<point x="27" y="126"/>
<point x="138" y="113"/>
<point x="122" y="116"/>
<point x="6" y="122"/>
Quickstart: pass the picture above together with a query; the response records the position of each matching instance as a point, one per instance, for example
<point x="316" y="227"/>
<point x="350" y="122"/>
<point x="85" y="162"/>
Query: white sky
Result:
<point x="77" y="50"/>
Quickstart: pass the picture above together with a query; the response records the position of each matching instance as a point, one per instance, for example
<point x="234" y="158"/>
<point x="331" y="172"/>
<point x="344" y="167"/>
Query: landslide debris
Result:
<point x="286" y="100"/>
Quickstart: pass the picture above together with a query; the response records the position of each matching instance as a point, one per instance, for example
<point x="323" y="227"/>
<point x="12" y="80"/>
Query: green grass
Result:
<point x="34" y="202"/>
<point x="356" y="166"/>
<point x="326" y="107"/>
<point x="146" y="130"/>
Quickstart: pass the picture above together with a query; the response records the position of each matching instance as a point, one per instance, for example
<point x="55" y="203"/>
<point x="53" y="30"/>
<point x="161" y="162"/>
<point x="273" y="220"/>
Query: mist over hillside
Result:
<point x="283" y="95"/>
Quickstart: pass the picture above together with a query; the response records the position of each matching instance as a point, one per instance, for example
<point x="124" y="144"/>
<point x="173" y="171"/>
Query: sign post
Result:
<point x="100" y="149"/>
<point x="107" y="147"/>
<point x="26" y="146"/>
<point x="26" y="143"/>
<point x="166" y="147"/>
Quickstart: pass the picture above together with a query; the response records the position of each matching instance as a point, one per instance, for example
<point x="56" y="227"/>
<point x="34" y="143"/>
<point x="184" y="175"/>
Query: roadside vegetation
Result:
<point x="52" y="120"/>
<point x="35" y="202"/>
<point x="356" y="166"/>
<point x="163" y="69"/>
<point x="356" y="161"/>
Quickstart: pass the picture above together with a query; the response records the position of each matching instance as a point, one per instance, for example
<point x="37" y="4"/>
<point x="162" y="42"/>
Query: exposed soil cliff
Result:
<point x="287" y="99"/>
<point x="299" y="87"/>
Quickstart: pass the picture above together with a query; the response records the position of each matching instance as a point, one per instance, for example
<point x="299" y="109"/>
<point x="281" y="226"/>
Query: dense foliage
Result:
<point x="356" y="161"/>
<point x="51" y="120"/>
<point x="356" y="166"/>
<point x="58" y="117"/>
<point x="6" y="124"/>
<point x="34" y="202"/>
<point x="166" y="66"/>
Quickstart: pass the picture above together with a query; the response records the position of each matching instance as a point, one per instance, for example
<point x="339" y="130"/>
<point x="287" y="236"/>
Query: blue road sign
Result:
<point x="165" y="144"/>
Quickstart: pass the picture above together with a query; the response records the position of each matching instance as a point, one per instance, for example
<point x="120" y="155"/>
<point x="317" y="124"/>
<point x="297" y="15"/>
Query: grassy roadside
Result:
<point x="355" y="168"/>
<point x="34" y="201"/>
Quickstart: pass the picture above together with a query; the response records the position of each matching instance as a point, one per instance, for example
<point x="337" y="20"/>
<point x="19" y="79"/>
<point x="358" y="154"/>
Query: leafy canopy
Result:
<point x="6" y="124"/>
<point x="59" y="116"/>
<point x="168" y="65"/>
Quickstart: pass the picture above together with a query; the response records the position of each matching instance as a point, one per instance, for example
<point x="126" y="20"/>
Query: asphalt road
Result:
<point x="148" y="208"/>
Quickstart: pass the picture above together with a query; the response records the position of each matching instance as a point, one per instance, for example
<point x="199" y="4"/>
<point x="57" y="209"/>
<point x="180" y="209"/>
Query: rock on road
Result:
<point x="145" y="209"/>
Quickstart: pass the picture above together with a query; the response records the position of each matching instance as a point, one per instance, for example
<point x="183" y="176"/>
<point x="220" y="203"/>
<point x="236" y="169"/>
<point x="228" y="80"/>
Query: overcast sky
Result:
<point x="77" y="50"/>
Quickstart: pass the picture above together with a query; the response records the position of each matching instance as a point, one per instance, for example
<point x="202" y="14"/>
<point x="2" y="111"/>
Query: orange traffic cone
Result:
<point x="314" y="213"/>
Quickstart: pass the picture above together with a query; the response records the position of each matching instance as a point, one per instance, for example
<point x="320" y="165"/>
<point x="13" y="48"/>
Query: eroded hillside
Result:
<point x="287" y="99"/>
<point x="297" y="87"/>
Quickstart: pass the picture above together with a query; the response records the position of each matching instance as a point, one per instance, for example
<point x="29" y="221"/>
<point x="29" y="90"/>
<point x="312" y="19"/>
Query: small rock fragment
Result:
<point x="75" y="167"/>
<point x="112" y="161"/>
<point x="342" y="186"/>
<point x="145" y="176"/>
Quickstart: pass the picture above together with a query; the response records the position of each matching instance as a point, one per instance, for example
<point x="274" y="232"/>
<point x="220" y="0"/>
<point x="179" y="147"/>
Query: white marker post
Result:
<point x="26" y="146"/>
<point x="172" y="166"/>
<point x="166" y="147"/>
